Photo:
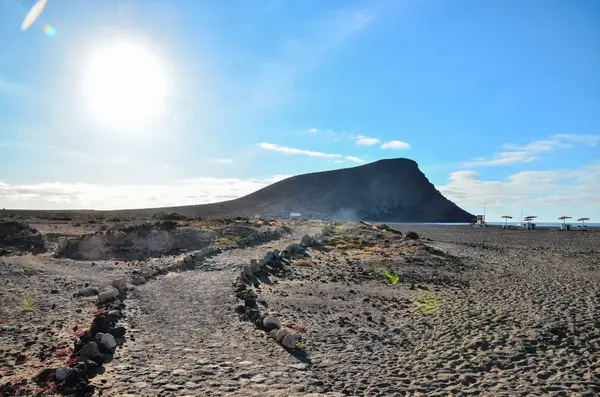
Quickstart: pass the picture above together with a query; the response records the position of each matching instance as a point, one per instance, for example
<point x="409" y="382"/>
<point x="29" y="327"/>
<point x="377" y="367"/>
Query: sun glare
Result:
<point x="125" y="86"/>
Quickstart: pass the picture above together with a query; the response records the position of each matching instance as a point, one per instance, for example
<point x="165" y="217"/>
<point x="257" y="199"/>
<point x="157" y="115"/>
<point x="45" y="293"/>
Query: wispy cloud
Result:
<point x="220" y="160"/>
<point x="587" y="139"/>
<point x="364" y="141"/>
<point x="312" y="130"/>
<point x="516" y="154"/>
<point x="310" y="153"/>
<point x="395" y="145"/>
<point x="301" y="55"/>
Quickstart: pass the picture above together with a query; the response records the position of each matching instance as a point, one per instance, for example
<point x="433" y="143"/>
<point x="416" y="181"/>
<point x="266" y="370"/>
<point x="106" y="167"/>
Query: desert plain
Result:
<point x="171" y="306"/>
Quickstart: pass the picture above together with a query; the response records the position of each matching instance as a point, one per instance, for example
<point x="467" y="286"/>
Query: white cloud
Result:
<point x="290" y="150"/>
<point x="364" y="141"/>
<point x="310" y="153"/>
<point x="220" y="160"/>
<point x="531" y="152"/>
<point x="549" y="192"/>
<point x="590" y="140"/>
<point x="312" y="130"/>
<point x="354" y="159"/>
<point x="58" y="195"/>
<point x="395" y="145"/>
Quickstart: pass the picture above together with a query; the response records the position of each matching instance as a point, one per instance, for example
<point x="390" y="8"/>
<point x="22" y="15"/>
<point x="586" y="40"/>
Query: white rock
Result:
<point x="289" y="341"/>
<point x="271" y="322"/>
<point x="281" y="334"/>
<point x="147" y="272"/>
<point x="108" y="342"/>
<point x="120" y="284"/>
<point x="108" y="295"/>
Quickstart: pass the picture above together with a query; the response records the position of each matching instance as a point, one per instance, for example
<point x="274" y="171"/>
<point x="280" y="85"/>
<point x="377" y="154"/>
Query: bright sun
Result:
<point x="125" y="86"/>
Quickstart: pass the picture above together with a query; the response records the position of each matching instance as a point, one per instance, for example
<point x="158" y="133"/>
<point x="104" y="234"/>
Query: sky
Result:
<point x="148" y="103"/>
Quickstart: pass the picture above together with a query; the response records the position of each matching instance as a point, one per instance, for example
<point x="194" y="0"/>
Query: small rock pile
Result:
<point x="272" y="263"/>
<point x="94" y="346"/>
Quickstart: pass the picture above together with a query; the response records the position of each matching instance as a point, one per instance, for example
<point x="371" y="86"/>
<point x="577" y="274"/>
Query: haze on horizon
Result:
<point x="151" y="103"/>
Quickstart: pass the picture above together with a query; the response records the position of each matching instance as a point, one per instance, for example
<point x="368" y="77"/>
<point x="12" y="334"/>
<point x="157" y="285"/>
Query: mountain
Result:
<point x="392" y="190"/>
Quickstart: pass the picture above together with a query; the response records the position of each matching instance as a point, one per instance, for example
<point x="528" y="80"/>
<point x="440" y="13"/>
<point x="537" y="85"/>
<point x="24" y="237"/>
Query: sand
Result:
<point x="487" y="312"/>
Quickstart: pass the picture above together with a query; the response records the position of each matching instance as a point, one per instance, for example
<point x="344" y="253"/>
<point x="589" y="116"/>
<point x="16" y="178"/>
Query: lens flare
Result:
<point x="49" y="30"/>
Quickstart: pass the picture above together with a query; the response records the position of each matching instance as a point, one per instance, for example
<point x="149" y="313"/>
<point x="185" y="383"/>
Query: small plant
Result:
<point x="299" y="328"/>
<point x="304" y="262"/>
<point x="64" y="352"/>
<point x="229" y="241"/>
<point x="394" y="278"/>
<point x="427" y="303"/>
<point x="79" y="333"/>
<point x="300" y="346"/>
<point x="328" y="229"/>
<point x="70" y="361"/>
<point x="98" y="311"/>
<point x="338" y="230"/>
<point x="28" y="303"/>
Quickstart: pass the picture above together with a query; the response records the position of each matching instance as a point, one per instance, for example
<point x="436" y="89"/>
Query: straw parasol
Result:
<point x="582" y="220"/>
<point x="564" y="218"/>
<point x="506" y="217"/>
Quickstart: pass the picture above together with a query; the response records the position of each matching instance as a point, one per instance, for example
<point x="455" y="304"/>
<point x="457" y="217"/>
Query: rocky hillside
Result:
<point x="386" y="190"/>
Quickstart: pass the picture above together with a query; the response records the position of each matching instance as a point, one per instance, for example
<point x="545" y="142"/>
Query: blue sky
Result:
<point x="498" y="101"/>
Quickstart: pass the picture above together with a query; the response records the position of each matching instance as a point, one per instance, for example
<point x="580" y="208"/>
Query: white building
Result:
<point x="295" y="215"/>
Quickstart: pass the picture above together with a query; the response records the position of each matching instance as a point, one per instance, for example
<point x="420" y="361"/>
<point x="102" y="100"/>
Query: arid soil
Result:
<point x="447" y="311"/>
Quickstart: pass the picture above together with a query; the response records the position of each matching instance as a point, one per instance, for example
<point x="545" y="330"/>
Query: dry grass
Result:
<point x="304" y="262"/>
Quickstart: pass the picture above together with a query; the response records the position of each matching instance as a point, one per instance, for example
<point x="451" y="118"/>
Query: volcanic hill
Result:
<point x="392" y="190"/>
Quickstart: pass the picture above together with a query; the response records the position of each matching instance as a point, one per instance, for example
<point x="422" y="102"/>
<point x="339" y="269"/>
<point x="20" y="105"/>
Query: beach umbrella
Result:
<point x="506" y="217"/>
<point x="582" y="220"/>
<point x="33" y="14"/>
<point x="564" y="218"/>
<point x="529" y="218"/>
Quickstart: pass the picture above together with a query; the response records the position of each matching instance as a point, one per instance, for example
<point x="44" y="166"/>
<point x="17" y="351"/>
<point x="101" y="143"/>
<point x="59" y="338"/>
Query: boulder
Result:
<point x="293" y="249"/>
<point x="255" y="266"/>
<point x="289" y="341"/>
<point x="120" y="284"/>
<point x="147" y="272"/>
<point x="62" y="373"/>
<point x="246" y="274"/>
<point x="308" y="240"/>
<point x="108" y="343"/>
<point x="91" y="351"/>
<point x="88" y="291"/>
<point x="271" y="323"/>
<point x="118" y="332"/>
<point x="108" y="295"/>
<point x="281" y="334"/>
<point x="189" y="261"/>
<point x="138" y="280"/>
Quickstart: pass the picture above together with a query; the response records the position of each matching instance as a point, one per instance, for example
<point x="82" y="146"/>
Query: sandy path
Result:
<point x="188" y="340"/>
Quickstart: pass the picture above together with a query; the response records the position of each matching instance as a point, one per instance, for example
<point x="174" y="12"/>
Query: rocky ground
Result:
<point x="446" y="311"/>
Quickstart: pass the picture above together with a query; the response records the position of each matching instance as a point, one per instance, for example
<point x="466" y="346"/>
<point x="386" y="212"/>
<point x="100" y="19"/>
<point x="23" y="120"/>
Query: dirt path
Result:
<point x="187" y="339"/>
